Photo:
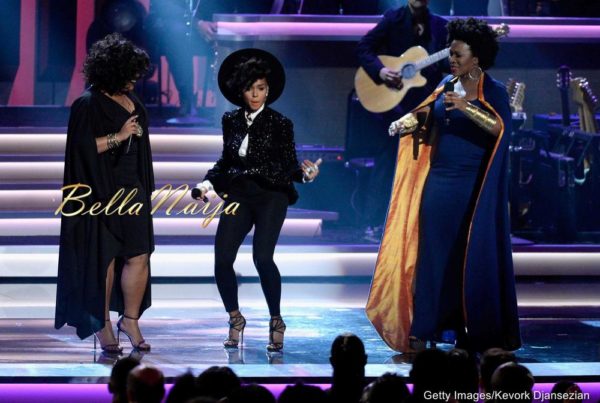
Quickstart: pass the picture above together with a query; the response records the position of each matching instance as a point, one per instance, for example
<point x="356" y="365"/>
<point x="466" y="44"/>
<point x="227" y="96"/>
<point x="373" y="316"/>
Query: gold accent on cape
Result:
<point x="390" y="302"/>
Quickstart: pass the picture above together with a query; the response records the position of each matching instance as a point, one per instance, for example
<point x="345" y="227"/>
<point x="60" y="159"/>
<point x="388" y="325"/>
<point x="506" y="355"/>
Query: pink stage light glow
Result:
<point x="98" y="393"/>
<point x="308" y="30"/>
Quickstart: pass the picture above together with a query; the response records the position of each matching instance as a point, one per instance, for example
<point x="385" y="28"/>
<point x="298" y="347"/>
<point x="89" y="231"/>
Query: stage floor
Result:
<point x="186" y="332"/>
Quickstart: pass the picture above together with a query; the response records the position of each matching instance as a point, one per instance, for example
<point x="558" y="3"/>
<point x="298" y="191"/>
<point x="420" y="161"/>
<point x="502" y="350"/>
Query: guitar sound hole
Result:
<point x="408" y="71"/>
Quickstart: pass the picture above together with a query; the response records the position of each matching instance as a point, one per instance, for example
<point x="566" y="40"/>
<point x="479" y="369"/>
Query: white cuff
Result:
<point x="206" y="185"/>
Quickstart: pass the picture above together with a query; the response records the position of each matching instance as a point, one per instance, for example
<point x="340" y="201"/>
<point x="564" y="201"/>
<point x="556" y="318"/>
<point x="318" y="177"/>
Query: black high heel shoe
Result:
<point x="141" y="345"/>
<point x="236" y="323"/>
<point x="276" y="325"/>
<point x="112" y="348"/>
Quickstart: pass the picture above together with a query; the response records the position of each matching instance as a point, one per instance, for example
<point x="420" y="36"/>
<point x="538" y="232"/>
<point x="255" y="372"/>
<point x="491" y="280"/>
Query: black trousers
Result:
<point x="265" y="210"/>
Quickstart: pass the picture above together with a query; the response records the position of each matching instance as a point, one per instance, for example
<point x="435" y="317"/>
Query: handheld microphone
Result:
<point x="449" y="86"/>
<point x="196" y="195"/>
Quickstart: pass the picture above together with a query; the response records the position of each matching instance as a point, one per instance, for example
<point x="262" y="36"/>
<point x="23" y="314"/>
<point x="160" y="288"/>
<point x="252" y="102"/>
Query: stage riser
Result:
<point x="294" y="261"/>
<point x="186" y="265"/>
<point x="44" y="202"/>
<point x="540" y="300"/>
<point x="9" y="227"/>
<point x="46" y="144"/>
<point x="50" y="173"/>
<point x="47" y="200"/>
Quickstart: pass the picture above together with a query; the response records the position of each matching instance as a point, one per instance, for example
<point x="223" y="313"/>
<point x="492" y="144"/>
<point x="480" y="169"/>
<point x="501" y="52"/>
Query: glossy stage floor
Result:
<point x="186" y="326"/>
<point x="325" y="286"/>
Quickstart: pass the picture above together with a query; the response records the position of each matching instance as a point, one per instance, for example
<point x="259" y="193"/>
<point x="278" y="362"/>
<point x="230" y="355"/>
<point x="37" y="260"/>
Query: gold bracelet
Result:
<point x="483" y="119"/>
<point x="112" y="141"/>
<point x="109" y="141"/>
<point x="116" y="141"/>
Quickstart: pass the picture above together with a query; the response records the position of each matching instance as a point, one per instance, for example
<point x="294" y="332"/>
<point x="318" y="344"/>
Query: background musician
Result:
<point x="399" y="30"/>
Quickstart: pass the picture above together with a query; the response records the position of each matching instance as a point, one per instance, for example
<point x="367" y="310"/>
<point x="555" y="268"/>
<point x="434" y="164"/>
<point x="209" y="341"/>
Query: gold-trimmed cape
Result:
<point x="390" y="303"/>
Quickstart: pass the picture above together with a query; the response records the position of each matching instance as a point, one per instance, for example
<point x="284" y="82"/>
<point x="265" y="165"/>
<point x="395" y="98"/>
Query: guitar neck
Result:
<point x="564" y="102"/>
<point x="517" y="91"/>
<point x="434" y="58"/>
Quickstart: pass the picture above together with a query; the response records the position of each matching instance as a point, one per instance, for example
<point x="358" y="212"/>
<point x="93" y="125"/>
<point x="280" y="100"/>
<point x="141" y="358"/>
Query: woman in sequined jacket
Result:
<point x="256" y="170"/>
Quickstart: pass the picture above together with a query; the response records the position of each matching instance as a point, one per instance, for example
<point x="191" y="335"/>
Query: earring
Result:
<point x="478" y="75"/>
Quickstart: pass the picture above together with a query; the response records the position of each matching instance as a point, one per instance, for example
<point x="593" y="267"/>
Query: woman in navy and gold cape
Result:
<point x="445" y="259"/>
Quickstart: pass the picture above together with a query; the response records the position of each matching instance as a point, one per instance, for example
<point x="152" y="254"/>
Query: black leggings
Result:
<point x="265" y="210"/>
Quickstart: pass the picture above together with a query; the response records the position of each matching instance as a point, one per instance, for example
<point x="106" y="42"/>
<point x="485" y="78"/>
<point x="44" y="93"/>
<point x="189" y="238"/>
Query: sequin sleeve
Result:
<point x="288" y="152"/>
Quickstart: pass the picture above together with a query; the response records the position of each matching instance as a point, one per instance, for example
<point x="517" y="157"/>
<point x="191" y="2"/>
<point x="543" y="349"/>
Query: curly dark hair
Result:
<point x="246" y="73"/>
<point x="113" y="62"/>
<point x="480" y="37"/>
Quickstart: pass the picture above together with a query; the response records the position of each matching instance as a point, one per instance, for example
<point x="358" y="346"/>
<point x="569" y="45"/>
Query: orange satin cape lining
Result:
<point x="390" y="303"/>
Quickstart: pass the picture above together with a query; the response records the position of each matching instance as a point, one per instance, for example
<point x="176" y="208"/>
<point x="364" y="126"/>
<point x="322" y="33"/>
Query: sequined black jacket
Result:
<point x="271" y="156"/>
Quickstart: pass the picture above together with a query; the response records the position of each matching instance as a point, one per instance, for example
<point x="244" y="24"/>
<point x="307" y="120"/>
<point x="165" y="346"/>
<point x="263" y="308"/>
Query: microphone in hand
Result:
<point x="196" y="193"/>
<point x="448" y="87"/>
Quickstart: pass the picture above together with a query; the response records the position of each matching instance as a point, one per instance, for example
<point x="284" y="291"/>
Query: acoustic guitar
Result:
<point x="381" y="98"/>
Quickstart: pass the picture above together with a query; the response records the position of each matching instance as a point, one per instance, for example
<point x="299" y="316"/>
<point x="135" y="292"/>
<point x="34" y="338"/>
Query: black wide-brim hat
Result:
<point x="275" y="79"/>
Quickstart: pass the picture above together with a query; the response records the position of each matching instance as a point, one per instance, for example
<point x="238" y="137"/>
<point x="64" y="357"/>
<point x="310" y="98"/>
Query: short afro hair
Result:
<point x="480" y="37"/>
<point x="246" y="73"/>
<point x="113" y="62"/>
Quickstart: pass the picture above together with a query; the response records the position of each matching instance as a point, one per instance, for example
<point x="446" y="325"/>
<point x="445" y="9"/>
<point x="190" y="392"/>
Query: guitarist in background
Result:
<point x="399" y="30"/>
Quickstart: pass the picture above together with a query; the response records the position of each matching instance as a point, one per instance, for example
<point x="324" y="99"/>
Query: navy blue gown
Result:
<point x="458" y="163"/>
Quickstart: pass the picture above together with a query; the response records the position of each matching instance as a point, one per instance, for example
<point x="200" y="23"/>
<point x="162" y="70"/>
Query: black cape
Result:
<point x="89" y="243"/>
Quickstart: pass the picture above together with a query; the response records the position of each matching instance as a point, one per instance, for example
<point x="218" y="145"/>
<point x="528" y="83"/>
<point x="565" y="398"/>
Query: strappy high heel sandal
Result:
<point x="141" y="345"/>
<point x="236" y="323"/>
<point x="112" y="348"/>
<point x="276" y="325"/>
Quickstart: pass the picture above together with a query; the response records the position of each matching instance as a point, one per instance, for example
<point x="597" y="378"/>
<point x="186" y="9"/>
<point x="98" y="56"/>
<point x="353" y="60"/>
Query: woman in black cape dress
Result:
<point x="104" y="258"/>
